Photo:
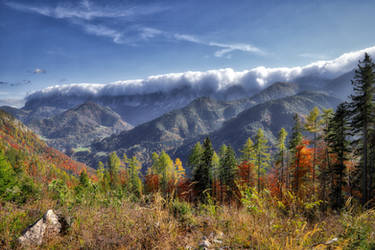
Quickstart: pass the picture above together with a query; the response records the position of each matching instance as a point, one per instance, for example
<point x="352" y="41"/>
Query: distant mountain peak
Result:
<point x="80" y="125"/>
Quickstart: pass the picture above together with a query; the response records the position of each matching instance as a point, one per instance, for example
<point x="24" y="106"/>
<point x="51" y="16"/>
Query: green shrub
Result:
<point x="15" y="186"/>
<point x="182" y="211"/>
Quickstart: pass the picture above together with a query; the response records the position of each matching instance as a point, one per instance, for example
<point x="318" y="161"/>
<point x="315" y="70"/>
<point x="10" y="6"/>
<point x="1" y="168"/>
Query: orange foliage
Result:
<point x="246" y="173"/>
<point x="301" y="166"/>
<point x="152" y="183"/>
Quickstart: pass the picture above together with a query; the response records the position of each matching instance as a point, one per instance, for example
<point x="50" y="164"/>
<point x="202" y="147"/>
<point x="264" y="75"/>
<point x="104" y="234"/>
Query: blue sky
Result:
<point x="46" y="43"/>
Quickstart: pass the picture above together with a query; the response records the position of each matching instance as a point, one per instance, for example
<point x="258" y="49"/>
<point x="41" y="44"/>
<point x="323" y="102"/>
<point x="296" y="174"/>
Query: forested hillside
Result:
<point x="25" y="148"/>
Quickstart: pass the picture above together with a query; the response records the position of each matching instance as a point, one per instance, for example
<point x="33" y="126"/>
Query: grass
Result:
<point x="162" y="224"/>
<point x="81" y="149"/>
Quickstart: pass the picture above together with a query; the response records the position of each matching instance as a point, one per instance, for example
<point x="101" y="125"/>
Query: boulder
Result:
<point x="48" y="226"/>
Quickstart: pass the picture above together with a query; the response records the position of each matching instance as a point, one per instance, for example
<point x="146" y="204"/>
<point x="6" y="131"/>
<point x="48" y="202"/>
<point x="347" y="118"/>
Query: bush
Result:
<point x="182" y="211"/>
<point x="15" y="186"/>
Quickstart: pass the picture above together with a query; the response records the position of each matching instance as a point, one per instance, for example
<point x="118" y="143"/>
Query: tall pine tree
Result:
<point x="281" y="158"/>
<point x="248" y="156"/>
<point x="312" y="125"/>
<point x="339" y="144"/>
<point x="362" y="119"/>
<point x="261" y="149"/>
<point x="202" y="172"/>
<point x="228" y="172"/>
<point x="294" y="142"/>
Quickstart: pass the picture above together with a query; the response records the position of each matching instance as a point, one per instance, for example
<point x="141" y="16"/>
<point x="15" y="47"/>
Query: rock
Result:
<point x="217" y="241"/>
<point x="49" y="226"/>
<point x="205" y="243"/>
<point x="331" y="241"/>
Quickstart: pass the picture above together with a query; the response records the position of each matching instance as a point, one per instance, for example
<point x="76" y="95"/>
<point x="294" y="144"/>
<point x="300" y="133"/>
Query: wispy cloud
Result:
<point x="188" y="38"/>
<point x="101" y="30"/>
<point x="147" y="33"/>
<point x="12" y="84"/>
<point x="85" y="12"/>
<point x="225" y="49"/>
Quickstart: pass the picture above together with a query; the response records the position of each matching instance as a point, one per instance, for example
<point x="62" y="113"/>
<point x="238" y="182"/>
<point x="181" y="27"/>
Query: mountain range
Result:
<point x="90" y="128"/>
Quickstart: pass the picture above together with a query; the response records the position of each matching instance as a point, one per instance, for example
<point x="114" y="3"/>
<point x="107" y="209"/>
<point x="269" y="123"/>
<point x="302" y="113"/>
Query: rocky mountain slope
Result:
<point x="270" y="116"/>
<point x="79" y="127"/>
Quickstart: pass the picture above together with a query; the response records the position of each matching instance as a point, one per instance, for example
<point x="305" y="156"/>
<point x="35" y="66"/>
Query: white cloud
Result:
<point x="227" y="48"/>
<point x="224" y="48"/>
<point x="83" y="13"/>
<point x="213" y="80"/>
<point x="39" y="71"/>
<point x="85" y="10"/>
<point x="101" y="30"/>
<point x="147" y="33"/>
<point x="188" y="38"/>
<point x="4" y="101"/>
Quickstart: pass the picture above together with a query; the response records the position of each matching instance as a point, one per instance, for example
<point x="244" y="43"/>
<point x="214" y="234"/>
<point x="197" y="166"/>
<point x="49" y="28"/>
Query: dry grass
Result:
<point x="155" y="226"/>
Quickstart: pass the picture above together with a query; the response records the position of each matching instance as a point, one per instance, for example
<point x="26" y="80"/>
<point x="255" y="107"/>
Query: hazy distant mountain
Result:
<point x="271" y="116"/>
<point x="137" y="108"/>
<point x="176" y="130"/>
<point x="341" y="86"/>
<point x="80" y="126"/>
<point x="167" y="132"/>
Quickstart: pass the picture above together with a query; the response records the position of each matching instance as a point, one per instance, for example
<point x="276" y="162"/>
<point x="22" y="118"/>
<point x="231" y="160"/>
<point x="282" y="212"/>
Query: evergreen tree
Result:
<point x="134" y="183"/>
<point x="101" y="174"/>
<point x="281" y="157"/>
<point x="294" y="142"/>
<point x="229" y="172"/>
<point x="248" y="155"/>
<point x="339" y="144"/>
<point x="155" y="168"/>
<point x="84" y="179"/>
<point x="296" y="136"/>
<point x="222" y="153"/>
<point x="195" y="156"/>
<point x="201" y="174"/>
<point x="247" y="151"/>
<point x="215" y="173"/>
<point x="261" y="150"/>
<point x="327" y="115"/>
<point x="362" y="119"/>
<point x="113" y="170"/>
<point x="166" y="170"/>
<point x="312" y="125"/>
<point x="83" y="189"/>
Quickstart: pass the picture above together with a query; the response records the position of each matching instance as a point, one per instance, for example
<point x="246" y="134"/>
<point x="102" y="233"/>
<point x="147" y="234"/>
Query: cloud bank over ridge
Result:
<point x="209" y="81"/>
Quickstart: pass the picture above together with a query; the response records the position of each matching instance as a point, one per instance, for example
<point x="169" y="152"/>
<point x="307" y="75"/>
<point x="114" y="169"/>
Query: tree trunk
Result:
<point x="364" y="174"/>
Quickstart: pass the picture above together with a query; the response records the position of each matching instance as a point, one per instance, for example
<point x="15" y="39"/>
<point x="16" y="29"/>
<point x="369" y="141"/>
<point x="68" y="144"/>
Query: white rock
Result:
<point x="48" y="225"/>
